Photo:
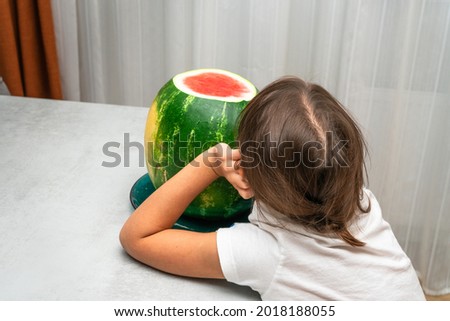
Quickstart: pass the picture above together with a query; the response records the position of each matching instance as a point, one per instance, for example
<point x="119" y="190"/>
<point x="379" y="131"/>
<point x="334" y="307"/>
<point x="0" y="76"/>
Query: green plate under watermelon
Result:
<point x="143" y="188"/>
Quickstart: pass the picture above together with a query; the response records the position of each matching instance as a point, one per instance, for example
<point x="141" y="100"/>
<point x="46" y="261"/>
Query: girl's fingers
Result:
<point x="229" y="160"/>
<point x="237" y="165"/>
<point x="238" y="181"/>
<point x="235" y="154"/>
<point x="240" y="171"/>
<point x="241" y="185"/>
<point x="246" y="194"/>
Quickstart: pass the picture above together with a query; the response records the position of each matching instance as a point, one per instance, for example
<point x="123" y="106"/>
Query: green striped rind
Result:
<point x="183" y="126"/>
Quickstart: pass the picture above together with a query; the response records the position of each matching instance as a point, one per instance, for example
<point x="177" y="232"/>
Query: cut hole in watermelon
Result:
<point x="215" y="84"/>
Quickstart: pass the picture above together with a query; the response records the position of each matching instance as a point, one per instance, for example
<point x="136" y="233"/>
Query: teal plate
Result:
<point x="143" y="188"/>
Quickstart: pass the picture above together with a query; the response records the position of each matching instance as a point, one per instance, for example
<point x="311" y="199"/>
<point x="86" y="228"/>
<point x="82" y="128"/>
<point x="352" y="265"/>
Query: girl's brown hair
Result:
<point x="303" y="155"/>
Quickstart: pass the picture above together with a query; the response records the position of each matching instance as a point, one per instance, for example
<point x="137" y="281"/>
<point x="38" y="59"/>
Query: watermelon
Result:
<point x="192" y="112"/>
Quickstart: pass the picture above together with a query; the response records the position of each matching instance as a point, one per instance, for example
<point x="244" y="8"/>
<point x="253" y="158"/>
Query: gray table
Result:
<point x="61" y="210"/>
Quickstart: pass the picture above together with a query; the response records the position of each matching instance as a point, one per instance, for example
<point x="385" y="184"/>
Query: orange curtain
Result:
<point x="28" y="58"/>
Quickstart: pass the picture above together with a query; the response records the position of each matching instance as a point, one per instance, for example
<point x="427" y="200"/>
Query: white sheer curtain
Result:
<point x="388" y="61"/>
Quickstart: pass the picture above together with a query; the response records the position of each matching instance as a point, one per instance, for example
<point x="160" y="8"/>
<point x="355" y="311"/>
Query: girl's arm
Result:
<point x="147" y="235"/>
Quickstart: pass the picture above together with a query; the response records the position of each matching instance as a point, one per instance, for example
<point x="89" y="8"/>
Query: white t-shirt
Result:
<point x="293" y="263"/>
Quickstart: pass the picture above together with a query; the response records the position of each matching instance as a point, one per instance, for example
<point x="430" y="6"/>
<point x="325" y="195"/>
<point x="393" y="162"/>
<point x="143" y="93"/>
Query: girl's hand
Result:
<point x="224" y="161"/>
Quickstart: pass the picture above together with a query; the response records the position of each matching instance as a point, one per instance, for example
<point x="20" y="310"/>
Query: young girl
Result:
<point x="315" y="232"/>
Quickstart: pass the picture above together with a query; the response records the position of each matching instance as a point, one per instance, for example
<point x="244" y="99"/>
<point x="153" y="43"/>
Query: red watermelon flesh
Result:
<point x="215" y="84"/>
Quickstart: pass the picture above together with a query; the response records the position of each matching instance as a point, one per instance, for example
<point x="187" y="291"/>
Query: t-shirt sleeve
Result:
<point x="248" y="255"/>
